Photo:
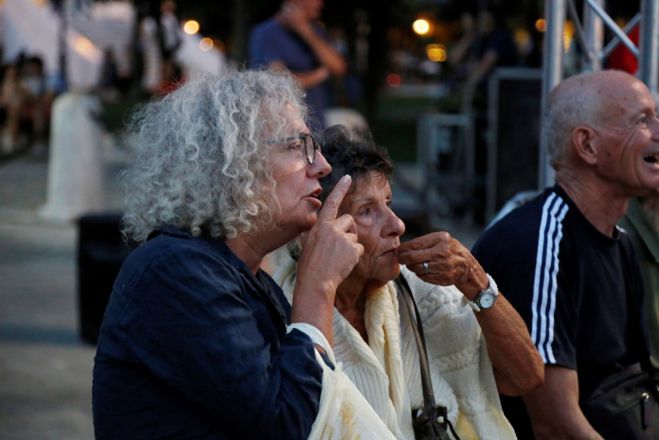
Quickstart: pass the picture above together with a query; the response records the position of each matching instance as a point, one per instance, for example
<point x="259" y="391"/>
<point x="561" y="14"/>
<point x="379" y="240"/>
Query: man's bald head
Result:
<point x="584" y="99"/>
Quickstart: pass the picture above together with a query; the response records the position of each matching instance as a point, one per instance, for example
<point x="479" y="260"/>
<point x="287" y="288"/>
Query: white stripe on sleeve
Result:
<point x="545" y="284"/>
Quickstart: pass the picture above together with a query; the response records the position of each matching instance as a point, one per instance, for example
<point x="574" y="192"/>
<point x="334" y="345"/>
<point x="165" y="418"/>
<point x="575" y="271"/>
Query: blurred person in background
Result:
<point x="26" y="103"/>
<point x="108" y="79"/>
<point x="486" y="44"/>
<point x="294" y="39"/>
<point x="642" y="225"/>
<point x="641" y="222"/>
<point x="11" y="99"/>
<point x="159" y="41"/>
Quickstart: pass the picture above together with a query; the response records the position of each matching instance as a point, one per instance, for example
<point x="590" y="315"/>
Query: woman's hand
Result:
<point x="440" y="259"/>
<point x="329" y="253"/>
<point x="518" y="367"/>
<point x="330" y="250"/>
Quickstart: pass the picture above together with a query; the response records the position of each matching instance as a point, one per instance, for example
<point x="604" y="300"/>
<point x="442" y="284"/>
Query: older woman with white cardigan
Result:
<point x="473" y="354"/>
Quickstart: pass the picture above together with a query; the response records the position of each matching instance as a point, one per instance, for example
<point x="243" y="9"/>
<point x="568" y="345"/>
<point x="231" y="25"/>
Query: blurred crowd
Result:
<point x="27" y="90"/>
<point x="25" y="102"/>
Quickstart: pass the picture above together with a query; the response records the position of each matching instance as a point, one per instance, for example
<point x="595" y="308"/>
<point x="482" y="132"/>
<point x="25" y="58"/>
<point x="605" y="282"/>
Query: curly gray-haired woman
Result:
<point x="197" y="341"/>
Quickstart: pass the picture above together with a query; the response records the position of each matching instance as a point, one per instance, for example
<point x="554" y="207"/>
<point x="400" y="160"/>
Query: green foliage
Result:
<point x="116" y="112"/>
<point x="394" y="124"/>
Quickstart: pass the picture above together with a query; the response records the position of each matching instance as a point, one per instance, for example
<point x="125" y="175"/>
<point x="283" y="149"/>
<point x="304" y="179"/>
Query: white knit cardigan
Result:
<point x="386" y="370"/>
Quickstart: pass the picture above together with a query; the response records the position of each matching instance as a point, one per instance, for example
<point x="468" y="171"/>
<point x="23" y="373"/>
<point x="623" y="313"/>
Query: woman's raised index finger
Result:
<point x="331" y="206"/>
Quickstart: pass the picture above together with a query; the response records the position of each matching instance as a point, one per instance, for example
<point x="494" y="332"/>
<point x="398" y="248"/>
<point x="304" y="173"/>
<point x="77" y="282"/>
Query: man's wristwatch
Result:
<point x="486" y="297"/>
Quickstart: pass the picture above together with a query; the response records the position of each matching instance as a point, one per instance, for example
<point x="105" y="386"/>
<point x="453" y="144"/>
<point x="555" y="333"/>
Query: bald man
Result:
<point x="565" y="266"/>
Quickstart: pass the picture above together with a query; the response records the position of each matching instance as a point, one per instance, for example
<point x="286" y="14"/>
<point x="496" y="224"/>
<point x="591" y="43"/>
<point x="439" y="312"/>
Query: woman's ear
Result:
<point x="584" y="142"/>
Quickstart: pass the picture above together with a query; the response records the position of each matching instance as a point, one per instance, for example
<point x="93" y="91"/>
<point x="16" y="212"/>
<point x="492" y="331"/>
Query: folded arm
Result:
<point x="294" y="19"/>
<point x="307" y="79"/>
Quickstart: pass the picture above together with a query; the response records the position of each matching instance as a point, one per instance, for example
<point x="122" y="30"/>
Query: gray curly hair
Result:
<point x="200" y="161"/>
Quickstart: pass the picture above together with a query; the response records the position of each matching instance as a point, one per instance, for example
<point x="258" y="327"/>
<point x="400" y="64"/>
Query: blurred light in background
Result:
<point x="393" y="80"/>
<point x="540" y="25"/>
<point x="206" y="44"/>
<point x="421" y="26"/>
<point x="522" y="37"/>
<point x="38" y="2"/>
<point x="436" y="53"/>
<point x="85" y="48"/>
<point x="191" y="27"/>
<point x="568" y="33"/>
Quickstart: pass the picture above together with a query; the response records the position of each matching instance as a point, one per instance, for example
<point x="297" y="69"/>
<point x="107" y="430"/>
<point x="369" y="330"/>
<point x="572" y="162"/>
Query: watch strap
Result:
<point x="491" y="290"/>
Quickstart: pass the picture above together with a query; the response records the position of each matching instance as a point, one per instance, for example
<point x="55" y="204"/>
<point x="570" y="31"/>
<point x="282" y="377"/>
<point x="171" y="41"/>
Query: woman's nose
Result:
<point x="320" y="167"/>
<point x="395" y="226"/>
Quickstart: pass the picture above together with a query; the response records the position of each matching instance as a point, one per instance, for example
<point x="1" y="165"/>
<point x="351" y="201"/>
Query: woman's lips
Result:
<point x="314" y="201"/>
<point x="391" y="252"/>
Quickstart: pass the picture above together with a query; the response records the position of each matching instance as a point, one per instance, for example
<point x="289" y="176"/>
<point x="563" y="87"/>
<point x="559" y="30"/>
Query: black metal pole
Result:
<point x="60" y="8"/>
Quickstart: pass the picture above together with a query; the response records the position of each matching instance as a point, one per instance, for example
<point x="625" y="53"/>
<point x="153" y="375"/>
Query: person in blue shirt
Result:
<point x="294" y="40"/>
<point x="197" y="341"/>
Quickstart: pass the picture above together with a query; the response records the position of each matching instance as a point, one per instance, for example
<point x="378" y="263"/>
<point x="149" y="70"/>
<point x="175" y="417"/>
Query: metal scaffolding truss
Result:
<point x="589" y="34"/>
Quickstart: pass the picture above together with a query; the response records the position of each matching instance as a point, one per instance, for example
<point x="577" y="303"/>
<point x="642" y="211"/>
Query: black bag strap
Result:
<point x="429" y="405"/>
<point x="410" y="305"/>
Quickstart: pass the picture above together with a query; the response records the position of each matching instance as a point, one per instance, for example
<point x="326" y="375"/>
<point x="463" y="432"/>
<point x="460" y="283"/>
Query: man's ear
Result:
<point x="584" y="143"/>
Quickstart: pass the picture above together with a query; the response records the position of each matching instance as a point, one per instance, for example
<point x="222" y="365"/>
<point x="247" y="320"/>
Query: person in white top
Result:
<point x="472" y="353"/>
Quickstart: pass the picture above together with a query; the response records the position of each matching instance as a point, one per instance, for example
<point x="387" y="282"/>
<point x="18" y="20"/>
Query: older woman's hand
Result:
<point x="330" y="250"/>
<point x="329" y="253"/>
<point x="440" y="259"/>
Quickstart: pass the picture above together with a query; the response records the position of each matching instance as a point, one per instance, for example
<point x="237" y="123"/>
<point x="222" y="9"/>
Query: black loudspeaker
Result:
<point x="101" y="252"/>
<point x="514" y="113"/>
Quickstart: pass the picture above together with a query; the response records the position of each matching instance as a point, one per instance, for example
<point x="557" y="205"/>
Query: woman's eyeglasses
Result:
<point x="305" y="142"/>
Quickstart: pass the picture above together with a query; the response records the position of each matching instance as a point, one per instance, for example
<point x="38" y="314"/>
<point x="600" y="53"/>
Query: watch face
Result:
<point x="487" y="300"/>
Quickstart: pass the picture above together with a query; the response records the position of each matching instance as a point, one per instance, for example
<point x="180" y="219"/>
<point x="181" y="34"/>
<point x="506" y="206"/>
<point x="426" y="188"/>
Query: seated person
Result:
<point x="25" y="103"/>
<point x="572" y="274"/>
<point x="641" y="222"/>
<point x="471" y="354"/>
<point x="196" y="341"/>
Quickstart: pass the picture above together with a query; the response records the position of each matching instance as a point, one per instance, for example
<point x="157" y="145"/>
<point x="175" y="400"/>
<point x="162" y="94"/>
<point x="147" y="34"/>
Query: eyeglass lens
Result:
<point x="309" y="148"/>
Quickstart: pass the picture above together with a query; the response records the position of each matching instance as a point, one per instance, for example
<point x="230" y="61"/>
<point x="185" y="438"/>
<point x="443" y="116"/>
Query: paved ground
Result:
<point x="45" y="369"/>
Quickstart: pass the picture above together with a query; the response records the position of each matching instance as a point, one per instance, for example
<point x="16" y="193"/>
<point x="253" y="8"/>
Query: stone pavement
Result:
<point x="45" y="369"/>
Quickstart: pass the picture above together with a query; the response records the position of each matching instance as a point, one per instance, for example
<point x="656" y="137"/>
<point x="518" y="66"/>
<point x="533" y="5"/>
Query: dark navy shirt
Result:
<point x="193" y="345"/>
<point x="270" y="41"/>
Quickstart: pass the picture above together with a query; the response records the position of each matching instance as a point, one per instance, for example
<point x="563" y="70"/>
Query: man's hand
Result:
<point x="293" y="17"/>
